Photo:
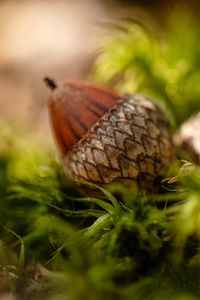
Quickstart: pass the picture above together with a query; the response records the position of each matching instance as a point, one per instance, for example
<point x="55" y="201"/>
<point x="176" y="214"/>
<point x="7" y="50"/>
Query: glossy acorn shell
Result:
<point x="129" y="139"/>
<point x="74" y="108"/>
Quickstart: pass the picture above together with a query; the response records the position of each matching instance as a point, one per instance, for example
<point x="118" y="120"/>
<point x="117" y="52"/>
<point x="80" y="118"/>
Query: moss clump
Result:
<point x="123" y="244"/>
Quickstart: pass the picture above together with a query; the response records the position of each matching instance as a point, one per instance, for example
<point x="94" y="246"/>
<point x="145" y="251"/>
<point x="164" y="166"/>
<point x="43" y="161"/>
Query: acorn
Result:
<point x="106" y="137"/>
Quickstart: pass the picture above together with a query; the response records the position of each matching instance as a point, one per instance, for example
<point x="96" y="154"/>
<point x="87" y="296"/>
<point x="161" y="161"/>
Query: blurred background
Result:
<point x="60" y="39"/>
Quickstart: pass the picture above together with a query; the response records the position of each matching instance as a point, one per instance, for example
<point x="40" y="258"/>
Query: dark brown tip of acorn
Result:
<point x="50" y="83"/>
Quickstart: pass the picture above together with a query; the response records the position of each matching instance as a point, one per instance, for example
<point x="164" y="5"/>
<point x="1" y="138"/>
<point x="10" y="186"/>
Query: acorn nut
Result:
<point x="106" y="137"/>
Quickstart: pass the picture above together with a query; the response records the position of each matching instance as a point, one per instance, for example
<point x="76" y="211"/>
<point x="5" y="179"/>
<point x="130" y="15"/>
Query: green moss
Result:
<point x="162" y="63"/>
<point x="142" y="246"/>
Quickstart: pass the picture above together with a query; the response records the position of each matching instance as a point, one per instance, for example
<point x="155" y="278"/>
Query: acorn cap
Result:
<point x="131" y="144"/>
<point x="74" y="107"/>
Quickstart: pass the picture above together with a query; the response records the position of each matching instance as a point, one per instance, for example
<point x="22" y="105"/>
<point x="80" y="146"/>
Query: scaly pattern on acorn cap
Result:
<point x="130" y="143"/>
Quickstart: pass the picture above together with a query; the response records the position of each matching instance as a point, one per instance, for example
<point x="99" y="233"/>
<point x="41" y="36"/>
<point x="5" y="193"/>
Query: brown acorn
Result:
<point x="106" y="137"/>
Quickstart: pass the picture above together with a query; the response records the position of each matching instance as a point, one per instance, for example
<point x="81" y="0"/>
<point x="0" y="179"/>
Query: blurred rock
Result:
<point x="188" y="138"/>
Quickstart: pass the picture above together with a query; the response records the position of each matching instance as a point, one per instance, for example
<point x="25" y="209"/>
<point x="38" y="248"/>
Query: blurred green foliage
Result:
<point x="163" y="63"/>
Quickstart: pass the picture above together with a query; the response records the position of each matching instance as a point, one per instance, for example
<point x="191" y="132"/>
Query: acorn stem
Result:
<point x="50" y="83"/>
